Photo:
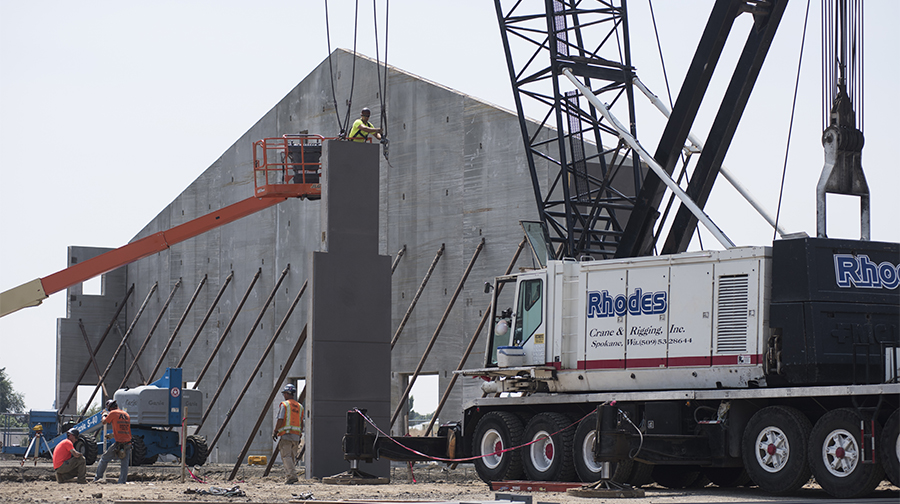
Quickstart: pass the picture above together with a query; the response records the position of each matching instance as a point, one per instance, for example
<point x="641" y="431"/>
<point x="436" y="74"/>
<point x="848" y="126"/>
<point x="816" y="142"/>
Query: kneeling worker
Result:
<point x="67" y="461"/>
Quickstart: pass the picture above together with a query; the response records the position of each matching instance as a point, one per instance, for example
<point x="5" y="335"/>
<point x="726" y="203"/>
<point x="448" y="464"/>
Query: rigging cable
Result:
<point x="353" y="72"/>
<point x="684" y="159"/>
<point x="791" y="125"/>
<point x="342" y="132"/>
<point x="382" y="89"/>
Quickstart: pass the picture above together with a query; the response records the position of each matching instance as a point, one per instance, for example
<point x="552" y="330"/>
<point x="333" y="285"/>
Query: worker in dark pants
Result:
<point x="67" y="461"/>
<point x="288" y="429"/>
<point x="121" y="448"/>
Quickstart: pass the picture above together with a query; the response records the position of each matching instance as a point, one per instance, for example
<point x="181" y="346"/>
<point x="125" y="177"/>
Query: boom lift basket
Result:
<point x="288" y="166"/>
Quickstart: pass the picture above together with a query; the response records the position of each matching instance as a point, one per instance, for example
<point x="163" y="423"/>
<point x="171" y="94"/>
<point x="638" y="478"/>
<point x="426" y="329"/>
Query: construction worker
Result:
<point x="288" y="431"/>
<point x="121" y="448"/>
<point x="362" y="127"/>
<point x="67" y="461"/>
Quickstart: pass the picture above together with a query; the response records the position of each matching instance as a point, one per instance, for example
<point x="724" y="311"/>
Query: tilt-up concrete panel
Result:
<point x="349" y="349"/>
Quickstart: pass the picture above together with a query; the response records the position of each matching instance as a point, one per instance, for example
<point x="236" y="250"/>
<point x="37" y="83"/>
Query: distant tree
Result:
<point x="93" y="410"/>
<point x="10" y="400"/>
<point x="415" y="416"/>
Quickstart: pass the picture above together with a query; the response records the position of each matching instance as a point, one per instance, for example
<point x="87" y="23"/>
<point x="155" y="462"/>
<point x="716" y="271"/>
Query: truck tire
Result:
<point x="890" y="448"/>
<point x="836" y="456"/>
<point x="676" y="476"/>
<point x="589" y="470"/>
<point x="138" y="450"/>
<point x="88" y="447"/>
<point x="196" y="451"/>
<point x="774" y="449"/>
<point x="497" y="430"/>
<point x="641" y="474"/>
<point x="727" y="477"/>
<point x="548" y="457"/>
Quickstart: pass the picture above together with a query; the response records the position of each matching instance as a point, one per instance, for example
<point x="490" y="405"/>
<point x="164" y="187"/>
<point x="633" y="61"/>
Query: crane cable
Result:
<point x="791" y="124"/>
<point x="353" y="71"/>
<point x="342" y="132"/>
<point x="684" y="159"/>
<point x="382" y="88"/>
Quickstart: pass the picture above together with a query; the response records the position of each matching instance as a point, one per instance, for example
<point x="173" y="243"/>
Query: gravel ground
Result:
<point x="162" y="482"/>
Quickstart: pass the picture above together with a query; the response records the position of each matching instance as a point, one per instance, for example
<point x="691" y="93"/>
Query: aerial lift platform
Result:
<point x="283" y="167"/>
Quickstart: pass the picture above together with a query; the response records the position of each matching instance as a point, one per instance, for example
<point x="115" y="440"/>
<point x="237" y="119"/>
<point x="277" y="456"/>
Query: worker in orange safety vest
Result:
<point x="121" y="433"/>
<point x="289" y="431"/>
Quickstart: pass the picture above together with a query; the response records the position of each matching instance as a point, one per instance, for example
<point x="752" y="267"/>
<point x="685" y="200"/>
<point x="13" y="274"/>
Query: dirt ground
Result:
<point x="434" y="483"/>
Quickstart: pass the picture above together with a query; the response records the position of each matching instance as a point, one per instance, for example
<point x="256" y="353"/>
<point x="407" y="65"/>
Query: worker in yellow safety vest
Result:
<point x="288" y="431"/>
<point x="362" y="127"/>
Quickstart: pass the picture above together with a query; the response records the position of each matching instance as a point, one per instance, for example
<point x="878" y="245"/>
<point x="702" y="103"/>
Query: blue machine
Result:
<point x="152" y="409"/>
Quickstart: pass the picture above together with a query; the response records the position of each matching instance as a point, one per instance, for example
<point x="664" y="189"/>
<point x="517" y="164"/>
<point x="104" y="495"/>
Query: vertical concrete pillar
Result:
<point x="349" y="345"/>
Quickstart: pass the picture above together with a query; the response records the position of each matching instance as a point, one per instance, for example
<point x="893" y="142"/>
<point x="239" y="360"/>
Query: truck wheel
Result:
<point x="836" y="456"/>
<point x="727" y="477"/>
<point x="890" y="448"/>
<point x="676" y="476"/>
<point x="549" y="456"/>
<point x="496" y="431"/>
<point x="196" y="451"/>
<point x="774" y="449"/>
<point x="88" y="447"/>
<point x="641" y="474"/>
<point x="138" y="450"/>
<point x="586" y="467"/>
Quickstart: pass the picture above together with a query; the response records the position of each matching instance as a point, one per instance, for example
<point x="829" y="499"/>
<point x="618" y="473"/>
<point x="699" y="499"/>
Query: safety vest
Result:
<point x="293" y="418"/>
<point x="121" y="425"/>
<point x="358" y="135"/>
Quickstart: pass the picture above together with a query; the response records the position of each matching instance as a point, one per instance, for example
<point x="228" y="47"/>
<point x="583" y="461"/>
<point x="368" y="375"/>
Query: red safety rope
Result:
<point x="467" y="459"/>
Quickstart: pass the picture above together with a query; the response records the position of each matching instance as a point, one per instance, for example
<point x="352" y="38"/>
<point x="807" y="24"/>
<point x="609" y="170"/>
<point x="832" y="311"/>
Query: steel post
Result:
<point x="462" y="362"/>
<point x="93" y="360"/>
<point x="400" y="254"/>
<point x="119" y="348"/>
<point x="412" y="305"/>
<point x="87" y="365"/>
<point x="227" y="328"/>
<point x="149" y="334"/>
<point x="209" y="313"/>
<point x="240" y="352"/>
<point x="437" y="331"/>
<point x="262" y="416"/>
<point x="259" y="365"/>
<point x="177" y="327"/>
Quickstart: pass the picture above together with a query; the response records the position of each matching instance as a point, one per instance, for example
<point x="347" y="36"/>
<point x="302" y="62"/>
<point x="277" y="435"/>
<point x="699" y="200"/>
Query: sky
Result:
<point x="110" y="109"/>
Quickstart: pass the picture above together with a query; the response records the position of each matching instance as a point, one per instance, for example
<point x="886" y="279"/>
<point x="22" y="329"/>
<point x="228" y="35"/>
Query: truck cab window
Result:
<point x="529" y="310"/>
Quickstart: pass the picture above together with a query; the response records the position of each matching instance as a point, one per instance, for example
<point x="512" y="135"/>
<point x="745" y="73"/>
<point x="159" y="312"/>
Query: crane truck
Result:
<point x="768" y="364"/>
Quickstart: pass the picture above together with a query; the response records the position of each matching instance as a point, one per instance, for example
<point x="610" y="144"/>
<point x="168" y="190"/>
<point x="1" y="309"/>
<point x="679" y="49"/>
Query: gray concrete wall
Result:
<point x="457" y="172"/>
<point x="96" y="312"/>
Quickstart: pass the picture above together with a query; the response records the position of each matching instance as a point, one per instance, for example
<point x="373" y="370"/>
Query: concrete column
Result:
<point x="349" y="345"/>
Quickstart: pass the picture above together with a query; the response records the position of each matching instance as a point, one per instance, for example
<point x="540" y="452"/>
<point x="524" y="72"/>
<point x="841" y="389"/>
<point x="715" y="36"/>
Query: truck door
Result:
<point x="529" y="320"/>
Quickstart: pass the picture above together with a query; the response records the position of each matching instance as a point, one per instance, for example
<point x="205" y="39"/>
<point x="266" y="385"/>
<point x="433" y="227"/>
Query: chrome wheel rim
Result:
<point x="840" y="453"/>
<point x="772" y="449"/>
<point x="491" y="444"/>
<point x="542" y="451"/>
<point x="587" y="450"/>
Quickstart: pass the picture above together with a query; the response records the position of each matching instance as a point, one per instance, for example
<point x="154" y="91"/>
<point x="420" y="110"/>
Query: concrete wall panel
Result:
<point x="455" y="173"/>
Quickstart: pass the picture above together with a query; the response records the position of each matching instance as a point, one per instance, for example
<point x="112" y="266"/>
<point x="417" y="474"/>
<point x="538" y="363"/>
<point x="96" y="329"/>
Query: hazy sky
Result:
<point x="109" y="109"/>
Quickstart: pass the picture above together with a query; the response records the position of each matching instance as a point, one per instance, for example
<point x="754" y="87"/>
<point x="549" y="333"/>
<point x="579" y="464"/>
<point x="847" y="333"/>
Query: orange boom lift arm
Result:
<point x="284" y="167"/>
